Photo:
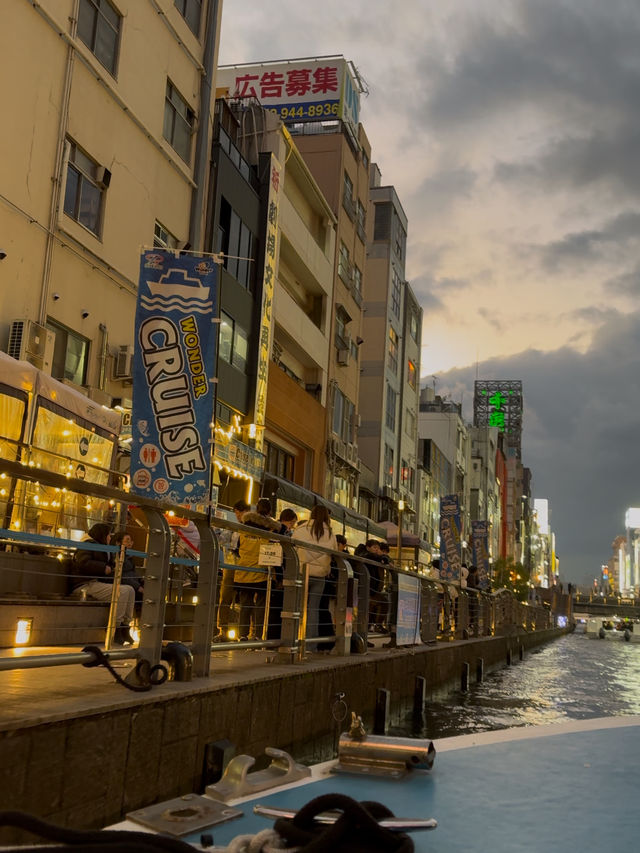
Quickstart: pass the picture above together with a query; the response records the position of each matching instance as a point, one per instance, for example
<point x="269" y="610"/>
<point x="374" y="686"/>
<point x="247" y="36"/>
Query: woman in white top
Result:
<point x="317" y="530"/>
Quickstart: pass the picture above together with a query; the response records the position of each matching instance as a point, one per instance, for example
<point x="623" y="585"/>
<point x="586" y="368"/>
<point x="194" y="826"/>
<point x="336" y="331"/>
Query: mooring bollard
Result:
<point x="521" y="652"/>
<point x="464" y="678"/>
<point x="509" y="657"/>
<point x="419" y="696"/>
<point x="381" y="716"/>
<point x="480" y="670"/>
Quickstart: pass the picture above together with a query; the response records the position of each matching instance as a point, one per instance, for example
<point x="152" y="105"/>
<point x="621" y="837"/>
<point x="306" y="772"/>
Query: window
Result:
<point x="388" y="465"/>
<point x="178" y="122"/>
<point x="399" y="236"/>
<point x="410" y="423"/>
<point x="390" y="413"/>
<point x="83" y="194"/>
<point x="163" y="239"/>
<point x="232" y="342"/>
<point x="361" y="218"/>
<point x="70" y="355"/>
<point x="413" y="326"/>
<point x="347" y="196"/>
<point x="99" y="29"/>
<point x="357" y="284"/>
<point x="238" y="246"/>
<point x="278" y="461"/>
<point x="344" y="416"/>
<point x="365" y="159"/>
<point x="393" y="349"/>
<point x="411" y="374"/>
<point x="191" y="12"/>
<point x="382" y="221"/>
<point x="396" y="291"/>
<point x="344" y="265"/>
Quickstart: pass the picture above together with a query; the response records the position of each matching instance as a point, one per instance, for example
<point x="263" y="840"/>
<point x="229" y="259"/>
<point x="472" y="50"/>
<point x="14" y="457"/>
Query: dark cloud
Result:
<point x="584" y="247"/>
<point x="580" y="439"/>
<point x="554" y="53"/>
<point x="627" y="283"/>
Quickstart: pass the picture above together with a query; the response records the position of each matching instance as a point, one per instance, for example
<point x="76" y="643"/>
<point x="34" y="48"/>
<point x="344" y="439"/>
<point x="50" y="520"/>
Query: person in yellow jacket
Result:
<point x="251" y="586"/>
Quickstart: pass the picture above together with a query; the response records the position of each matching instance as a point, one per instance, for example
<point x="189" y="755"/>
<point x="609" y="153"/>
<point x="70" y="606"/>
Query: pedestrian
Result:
<point x="250" y="582"/>
<point x="288" y="519"/>
<point x="227" y="582"/>
<point x="97" y="567"/>
<point x="317" y="530"/>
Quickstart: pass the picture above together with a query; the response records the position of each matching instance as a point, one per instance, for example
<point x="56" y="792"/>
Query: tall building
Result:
<point x="116" y="101"/>
<point x="390" y="360"/>
<point x="111" y="107"/>
<point x="441" y="421"/>
<point x="317" y="99"/>
<point x="484" y="485"/>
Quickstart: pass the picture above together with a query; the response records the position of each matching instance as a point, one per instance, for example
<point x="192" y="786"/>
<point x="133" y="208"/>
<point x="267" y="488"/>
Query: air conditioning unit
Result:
<point x="352" y="454"/>
<point x="390" y="492"/>
<point x="344" y="355"/>
<point x="102" y="398"/>
<point x="103" y="177"/>
<point x="123" y="367"/>
<point x="29" y="341"/>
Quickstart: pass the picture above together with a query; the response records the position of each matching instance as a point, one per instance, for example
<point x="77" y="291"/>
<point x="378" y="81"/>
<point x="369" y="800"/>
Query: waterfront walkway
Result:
<point x="40" y="695"/>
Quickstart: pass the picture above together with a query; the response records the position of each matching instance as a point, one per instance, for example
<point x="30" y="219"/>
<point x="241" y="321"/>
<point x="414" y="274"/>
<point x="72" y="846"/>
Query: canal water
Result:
<point x="572" y="678"/>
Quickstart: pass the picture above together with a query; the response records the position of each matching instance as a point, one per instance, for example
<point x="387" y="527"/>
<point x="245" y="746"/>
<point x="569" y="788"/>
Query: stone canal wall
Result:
<point x="90" y="770"/>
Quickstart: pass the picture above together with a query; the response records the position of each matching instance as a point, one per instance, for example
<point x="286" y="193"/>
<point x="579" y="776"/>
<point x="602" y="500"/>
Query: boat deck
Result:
<point x="568" y="786"/>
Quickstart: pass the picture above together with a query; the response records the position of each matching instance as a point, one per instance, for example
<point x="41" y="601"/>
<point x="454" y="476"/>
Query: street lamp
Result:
<point x="400" y="511"/>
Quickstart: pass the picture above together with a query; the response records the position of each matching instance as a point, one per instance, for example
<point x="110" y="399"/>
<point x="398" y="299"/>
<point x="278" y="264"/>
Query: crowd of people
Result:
<point x="250" y="591"/>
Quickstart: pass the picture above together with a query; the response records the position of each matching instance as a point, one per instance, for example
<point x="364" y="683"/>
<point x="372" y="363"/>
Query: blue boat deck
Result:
<point x="567" y="786"/>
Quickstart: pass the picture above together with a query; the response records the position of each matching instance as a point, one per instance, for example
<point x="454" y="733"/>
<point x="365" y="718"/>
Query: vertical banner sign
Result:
<point x="408" y="612"/>
<point x="450" y="538"/>
<point x="480" y="537"/>
<point x="268" y="285"/>
<point x="173" y="363"/>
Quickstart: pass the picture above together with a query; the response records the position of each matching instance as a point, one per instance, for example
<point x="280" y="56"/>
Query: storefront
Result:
<point x="47" y="424"/>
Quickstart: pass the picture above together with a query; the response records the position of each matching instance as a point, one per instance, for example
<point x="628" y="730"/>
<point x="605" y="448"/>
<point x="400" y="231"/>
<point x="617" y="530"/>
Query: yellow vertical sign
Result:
<point x="268" y="285"/>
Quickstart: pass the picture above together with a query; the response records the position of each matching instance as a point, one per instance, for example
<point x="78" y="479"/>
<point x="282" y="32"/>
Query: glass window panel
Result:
<point x="243" y="251"/>
<point x="106" y="46"/>
<point x="225" y="338"/>
<point x="239" y="349"/>
<point x="110" y="14"/>
<point x="182" y="139"/>
<point x="71" y="191"/>
<point x="89" y="213"/>
<point x="234" y="244"/>
<point x="75" y="359"/>
<point x="86" y="23"/>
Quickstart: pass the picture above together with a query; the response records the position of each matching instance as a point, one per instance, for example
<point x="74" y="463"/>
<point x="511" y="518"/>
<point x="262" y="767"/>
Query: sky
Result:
<point x="511" y="132"/>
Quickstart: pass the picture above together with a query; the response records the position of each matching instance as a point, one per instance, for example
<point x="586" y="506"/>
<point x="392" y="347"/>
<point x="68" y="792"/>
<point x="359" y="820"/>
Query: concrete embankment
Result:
<point x="80" y="750"/>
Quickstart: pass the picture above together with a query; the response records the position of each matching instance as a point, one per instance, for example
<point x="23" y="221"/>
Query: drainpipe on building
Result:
<point x="202" y="137"/>
<point x="56" y="180"/>
<point x="104" y="352"/>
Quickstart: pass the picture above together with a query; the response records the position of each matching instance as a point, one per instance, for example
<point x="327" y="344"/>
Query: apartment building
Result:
<point x="111" y="127"/>
<point x="389" y="360"/>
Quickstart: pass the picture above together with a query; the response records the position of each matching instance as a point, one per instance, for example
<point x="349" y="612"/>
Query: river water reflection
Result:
<point x="573" y="677"/>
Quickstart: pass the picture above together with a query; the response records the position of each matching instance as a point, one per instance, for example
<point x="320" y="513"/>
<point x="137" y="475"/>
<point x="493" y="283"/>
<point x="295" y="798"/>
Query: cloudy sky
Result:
<point x="511" y="131"/>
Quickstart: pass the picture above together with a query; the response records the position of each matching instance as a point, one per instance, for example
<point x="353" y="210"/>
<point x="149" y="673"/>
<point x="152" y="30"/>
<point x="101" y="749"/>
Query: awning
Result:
<point x="277" y="487"/>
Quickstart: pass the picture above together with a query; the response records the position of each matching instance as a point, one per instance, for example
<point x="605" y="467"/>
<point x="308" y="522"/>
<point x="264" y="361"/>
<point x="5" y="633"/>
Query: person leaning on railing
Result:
<point x="316" y="530"/>
<point x="97" y="567"/>
<point x="251" y="586"/>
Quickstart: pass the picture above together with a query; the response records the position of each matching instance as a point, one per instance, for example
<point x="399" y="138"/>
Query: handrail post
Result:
<point x="156" y="577"/>
<point x="291" y="603"/>
<point x="205" y="611"/>
<point x="344" y="626"/>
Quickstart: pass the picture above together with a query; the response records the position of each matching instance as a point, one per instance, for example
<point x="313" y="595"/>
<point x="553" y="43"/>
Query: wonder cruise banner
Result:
<point x="173" y="366"/>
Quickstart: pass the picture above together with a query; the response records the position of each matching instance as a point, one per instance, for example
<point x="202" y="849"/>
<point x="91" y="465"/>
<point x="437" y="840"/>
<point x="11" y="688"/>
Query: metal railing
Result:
<point x="181" y="594"/>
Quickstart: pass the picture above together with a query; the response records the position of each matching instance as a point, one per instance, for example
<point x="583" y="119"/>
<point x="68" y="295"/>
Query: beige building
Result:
<point x="297" y="394"/>
<point x="110" y="105"/>
<point x="340" y="164"/>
